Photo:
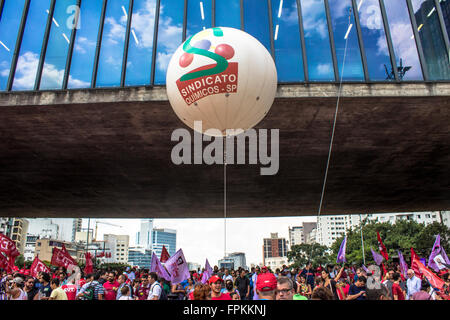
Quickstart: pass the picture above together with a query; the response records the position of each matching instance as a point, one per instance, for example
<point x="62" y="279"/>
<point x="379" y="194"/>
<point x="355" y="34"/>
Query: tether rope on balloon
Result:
<point x="334" y="124"/>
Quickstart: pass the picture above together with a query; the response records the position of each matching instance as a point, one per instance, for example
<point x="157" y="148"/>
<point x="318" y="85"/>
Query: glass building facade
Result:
<point x="72" y="44"/>
<point x="164" y="237"/>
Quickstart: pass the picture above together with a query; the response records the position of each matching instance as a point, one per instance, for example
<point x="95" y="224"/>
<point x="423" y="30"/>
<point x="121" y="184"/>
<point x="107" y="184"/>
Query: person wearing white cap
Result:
<point x="16" y="292"/>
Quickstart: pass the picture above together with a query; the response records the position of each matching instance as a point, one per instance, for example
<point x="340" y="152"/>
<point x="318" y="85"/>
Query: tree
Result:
<point x="19" y="261"/>
<point x="402" y="235"/>
<point x="300" y="254"/>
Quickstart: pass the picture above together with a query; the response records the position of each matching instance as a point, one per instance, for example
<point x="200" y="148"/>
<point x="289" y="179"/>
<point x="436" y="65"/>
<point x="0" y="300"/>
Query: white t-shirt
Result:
<point x="228" y="277"/>
<point x="155" y="291"/>
<point x="125" y="298"/>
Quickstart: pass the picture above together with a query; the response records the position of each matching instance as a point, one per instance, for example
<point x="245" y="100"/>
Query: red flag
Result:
<point x="38" y="266"/>
<point x="414" y="266"/>
<point x="8" y="247"/>
<point x="89" y="267"/>
<point x="382" y="248"/>
<point x="62" y="258"/>
<point x="164" y="255"/>
<point x="3" y="261"/>
<point x="433" y="279"/>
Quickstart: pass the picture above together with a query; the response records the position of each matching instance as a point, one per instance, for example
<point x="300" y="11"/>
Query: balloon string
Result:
<point x="334" y="128"/>
<point x="225" y="196"/>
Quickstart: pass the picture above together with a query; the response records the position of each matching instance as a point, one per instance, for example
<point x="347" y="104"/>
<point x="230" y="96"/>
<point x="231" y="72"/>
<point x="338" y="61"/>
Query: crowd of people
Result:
<point x="332" y="282"/>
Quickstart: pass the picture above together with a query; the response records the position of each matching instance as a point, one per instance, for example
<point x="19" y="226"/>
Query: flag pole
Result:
<point x="362" y="240"/>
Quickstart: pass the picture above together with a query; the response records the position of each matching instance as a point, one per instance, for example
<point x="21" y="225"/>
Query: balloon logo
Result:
<point x="223" y="77"/>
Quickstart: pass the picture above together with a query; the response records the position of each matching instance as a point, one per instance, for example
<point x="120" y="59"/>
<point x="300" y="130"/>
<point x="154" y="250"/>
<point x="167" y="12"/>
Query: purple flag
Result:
<point x="444" y="255"/>
<point x="403" y="265"/>
<point x="434" y="252"/>
<point x="178" y="267"/>
<point x="378" y="258"/>
<point x="365" y="269"/>
<point x="423" y="261"/>
<point x="207" y="273"/>
<point x="159" y="268"/>
<point x="341" y="254"/>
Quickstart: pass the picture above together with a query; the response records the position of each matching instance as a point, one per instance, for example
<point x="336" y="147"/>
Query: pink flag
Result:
<point x="207" y="273"/>
<point x="178" y="267"/>
<point x="38" y="266"/>
<point x="434" y="252"/>
<point x="378" y="258"/>
<point x="159" y="268"/>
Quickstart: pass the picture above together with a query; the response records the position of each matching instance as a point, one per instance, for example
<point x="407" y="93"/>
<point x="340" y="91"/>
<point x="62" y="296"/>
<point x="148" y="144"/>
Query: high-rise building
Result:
<point x="234" y="261"/>
<point x="144" y="236"/>
<point x="274" y="251"/>
<point x="330" y="228"/>
<point x="63" y="229"/>
<point x="445" y="218"/>
<point x="44" y="248"/>
<point x="118" y="246"/>
<point x="140" y="256"/>
<point x="164" y="237"/>
<point x="296" y="236"/>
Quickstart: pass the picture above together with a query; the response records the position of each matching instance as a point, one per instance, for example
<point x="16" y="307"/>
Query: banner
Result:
<point x="403" y="265"/>
<point x="38" y="266"/>
<point x="207" y="273"/>
<point x="433" y="279"/>
<point x="159" y="268"/>
<point x="341" y="254"/>
<point x="178" y="267"/>
<point x="89" y="267"/>
<point x="414" y="266"/>
<point x="378" y="258"/>
<point x="382" y="248"/>
<point x="164" y="254"/>
<point x="8" y="247"/>
<point x="61" y="258"/>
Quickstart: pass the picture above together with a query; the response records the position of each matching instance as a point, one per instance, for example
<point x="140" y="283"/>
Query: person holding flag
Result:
<point x="413" y="284"/>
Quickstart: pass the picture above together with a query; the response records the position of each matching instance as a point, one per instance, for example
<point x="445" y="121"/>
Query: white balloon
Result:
<point x="236" y="85"/>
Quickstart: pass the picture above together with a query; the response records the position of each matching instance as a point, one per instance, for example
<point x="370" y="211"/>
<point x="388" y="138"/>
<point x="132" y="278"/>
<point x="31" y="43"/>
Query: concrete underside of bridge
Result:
<point x="107" y="153"/>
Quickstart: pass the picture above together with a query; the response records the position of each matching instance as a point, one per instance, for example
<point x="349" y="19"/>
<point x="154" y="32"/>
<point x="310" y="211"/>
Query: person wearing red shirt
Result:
<point x="111" y="287"/>
<point x="144" y="288"/>
<point x="397" y="292"/>
<point x="216" y="285"/>
<point x="70" y="289"/>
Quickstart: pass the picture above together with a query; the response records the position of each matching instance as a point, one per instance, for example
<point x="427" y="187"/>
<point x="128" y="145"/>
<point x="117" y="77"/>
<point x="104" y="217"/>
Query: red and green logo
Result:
<point x="207" y="80"/>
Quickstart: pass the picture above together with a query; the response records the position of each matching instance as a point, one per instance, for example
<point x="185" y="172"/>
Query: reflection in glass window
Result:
<point x="405" y="49"/>
<point x="432" y="39"/>
<point x="198" y="16"/>
<point x="228" y="13"/>
<point x="85" y="44"/>
<point x="375" y="43"/>
<point x="317" y="41"/>
<point x="344" y="30"/>
<point x="58" y="45"/>
<point x="445" y="7"/>
<point x="111" y="51"/>
<point x="9" y="27"/>
<point x="139" y="62"/>
<point x="30" y="49"/>
<point x="288" y="49"/>
<point x="256" y="20"/>
<point x="170" y="36"/>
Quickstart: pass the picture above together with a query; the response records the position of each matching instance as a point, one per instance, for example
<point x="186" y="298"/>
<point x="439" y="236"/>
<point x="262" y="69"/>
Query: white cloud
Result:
<point x="163" y="60"/>
<point x="82" y="44"/>
<point x="51" y="76"/>
<point x="324" y="69"/>
<point x="314" y="20"/>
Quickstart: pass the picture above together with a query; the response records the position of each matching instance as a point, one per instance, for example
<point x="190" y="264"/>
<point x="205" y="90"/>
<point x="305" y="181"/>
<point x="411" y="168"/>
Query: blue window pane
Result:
<point x="9" y="27"/>
<point x="288" y="49"/>
<point x="256" y="20"/>
<point x="58" y="45"/>
<point x="85" y="44"/>
<point x="170" y="35"/>
<point x="432" y="39"/>
<point x="30" y="49"/>
<point x="317" y="41"/>
<point x="198" y="16"/>
<point x="111" y="52"/>
<point x="403" y="40"/>
<point x="139" y="62"/>
<point x="228" y="13"/>
<point x="375" y="43"/>
<point x="344" y="30"/>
